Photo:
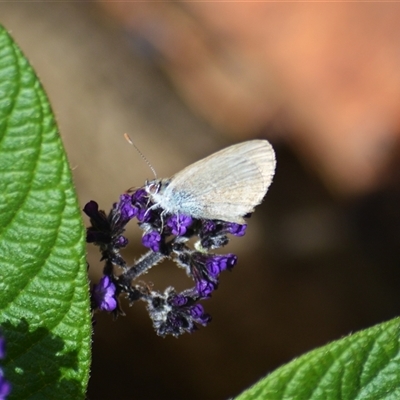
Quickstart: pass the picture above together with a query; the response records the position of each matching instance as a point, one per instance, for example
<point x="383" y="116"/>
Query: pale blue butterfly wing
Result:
<point x="226" y="185"/>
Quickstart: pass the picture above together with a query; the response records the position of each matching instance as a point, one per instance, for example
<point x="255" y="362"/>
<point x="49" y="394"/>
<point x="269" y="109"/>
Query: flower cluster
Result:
<point x="5" y="386"/>
<point x="166" y="236"/>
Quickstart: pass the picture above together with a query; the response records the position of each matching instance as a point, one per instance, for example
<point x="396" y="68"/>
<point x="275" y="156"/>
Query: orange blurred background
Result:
<point x="326" y="73"/>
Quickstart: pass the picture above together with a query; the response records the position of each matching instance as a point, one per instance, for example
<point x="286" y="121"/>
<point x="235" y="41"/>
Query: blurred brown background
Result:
<point x="321" y="81"/>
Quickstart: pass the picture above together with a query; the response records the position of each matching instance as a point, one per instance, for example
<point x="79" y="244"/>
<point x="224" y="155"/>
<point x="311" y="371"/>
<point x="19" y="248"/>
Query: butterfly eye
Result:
<point x="153" y="188"/>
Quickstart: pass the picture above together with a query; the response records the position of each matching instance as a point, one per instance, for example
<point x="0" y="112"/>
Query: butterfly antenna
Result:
<point x="129" y="140"/>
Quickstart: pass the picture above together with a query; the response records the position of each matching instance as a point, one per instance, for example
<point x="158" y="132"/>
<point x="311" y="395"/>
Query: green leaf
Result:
<point x="44" y="302"/>
<point x="363" y="366"/>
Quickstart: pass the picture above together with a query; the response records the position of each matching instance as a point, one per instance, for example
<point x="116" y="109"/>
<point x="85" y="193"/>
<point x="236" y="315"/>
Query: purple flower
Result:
<point x="140" y="198"/>
<point x="152" y="240"/>
<point x="127" y="210"/>
<point x="91" y="209"/>
<point x="100" y="231"/>
<point x="179" y="300"/>
<point x="236" y="229"/>
<point x="208" y="226"/>
<point x="103" y="294"/>
<point x="167" y="237"/>
<point x="5" y="387"/>
<point x="213" y="234"/>
<point x="218" y="263"/>
<point x="121" y="241"/>
<point x="205" y="288"/>
<point x="207" y="267"/>
<point x="140" y="202"/>
<point x="144" y="215"/>
<point x="198" y="314"/>
<point x="179" y="224"/>
<point x="175" y="314"/>
<point x="96" y="237"/>
<point x="106" y="230"/>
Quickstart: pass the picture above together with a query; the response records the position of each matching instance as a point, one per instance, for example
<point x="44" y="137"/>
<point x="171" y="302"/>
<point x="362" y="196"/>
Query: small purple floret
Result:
<point x="121" y="242"/>
<point x="144" y="215"/>
<point x="179" y="224"/>
<point x="152" y="240"/>
<point x="104" y="294"/>
<point x="5" y="387"/>
<point x="179" y="300"/>
<point x="208" y="226"/>
<point x="199" y="316"/>
<point x="139" y="198"/>
<point x="236" y="229"/>
<point x="128" y="211"/>
<point x="139" y="201"/>
<point x="205" y="288"/>
<point x="218" y="263"/>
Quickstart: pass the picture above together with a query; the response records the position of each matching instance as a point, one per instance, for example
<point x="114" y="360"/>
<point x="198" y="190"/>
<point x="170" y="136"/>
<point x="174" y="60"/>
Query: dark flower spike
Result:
<point x="106" y="231"/>
<point x="91" y="209"/>
<point x="174" y="314"/>
<point x="167" y="236"/>
<point x="100" y="231"/>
